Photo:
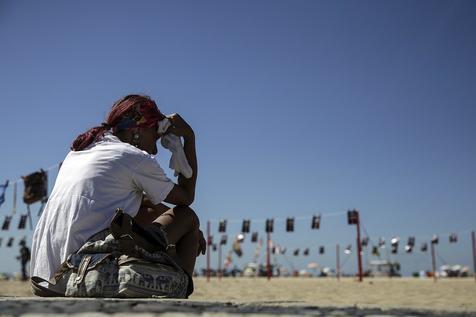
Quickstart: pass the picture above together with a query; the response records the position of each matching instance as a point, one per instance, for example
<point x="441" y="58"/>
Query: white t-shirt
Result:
<point x="90" y="185"/>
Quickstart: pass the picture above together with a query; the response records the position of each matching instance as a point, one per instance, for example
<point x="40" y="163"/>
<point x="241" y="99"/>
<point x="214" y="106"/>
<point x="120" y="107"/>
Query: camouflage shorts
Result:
<point x="101" y="269"/>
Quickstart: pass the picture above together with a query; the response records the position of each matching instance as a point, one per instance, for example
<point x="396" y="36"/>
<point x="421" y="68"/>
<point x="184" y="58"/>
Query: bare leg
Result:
<point x="181" y="225"/>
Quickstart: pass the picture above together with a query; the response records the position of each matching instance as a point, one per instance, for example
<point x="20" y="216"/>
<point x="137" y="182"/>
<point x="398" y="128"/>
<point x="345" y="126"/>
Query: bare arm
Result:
<point x="184" y="192"/>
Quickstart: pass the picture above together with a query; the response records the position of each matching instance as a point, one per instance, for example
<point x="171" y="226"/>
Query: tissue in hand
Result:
<point x="173" y="143"/>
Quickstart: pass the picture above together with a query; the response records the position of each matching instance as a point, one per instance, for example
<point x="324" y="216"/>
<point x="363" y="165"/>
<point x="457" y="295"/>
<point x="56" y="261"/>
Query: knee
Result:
<point x="189" y="216"/>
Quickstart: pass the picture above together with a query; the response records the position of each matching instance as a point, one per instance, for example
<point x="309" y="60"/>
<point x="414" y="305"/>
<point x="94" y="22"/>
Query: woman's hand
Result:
<point x="202" y="244"/>
<point x="179" y="126"/>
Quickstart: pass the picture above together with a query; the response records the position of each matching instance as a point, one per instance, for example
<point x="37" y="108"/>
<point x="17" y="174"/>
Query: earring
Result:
<point x="135" y="138"/>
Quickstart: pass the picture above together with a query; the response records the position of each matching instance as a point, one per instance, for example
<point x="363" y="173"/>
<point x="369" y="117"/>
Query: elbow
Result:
<point x="189" y="200"/>
<point x="186" y="199"/>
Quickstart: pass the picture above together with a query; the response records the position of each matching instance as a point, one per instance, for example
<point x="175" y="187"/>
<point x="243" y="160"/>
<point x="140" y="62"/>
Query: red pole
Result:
<point x="209" y="244"/>
<point x="359" y="248"/>
<point x="433" y="261"/>
<point x="268" y="260"/>
<point x="219" y="261"/>
<point x="473" y="238"/>
<point x="337" y="263"/>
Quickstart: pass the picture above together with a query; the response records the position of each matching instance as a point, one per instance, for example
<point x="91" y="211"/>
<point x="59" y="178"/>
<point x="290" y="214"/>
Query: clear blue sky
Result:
<point x="299" y="107"/>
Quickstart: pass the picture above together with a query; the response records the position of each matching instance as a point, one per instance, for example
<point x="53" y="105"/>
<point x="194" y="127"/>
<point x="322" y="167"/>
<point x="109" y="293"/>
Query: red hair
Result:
<point x="131" y="111"/>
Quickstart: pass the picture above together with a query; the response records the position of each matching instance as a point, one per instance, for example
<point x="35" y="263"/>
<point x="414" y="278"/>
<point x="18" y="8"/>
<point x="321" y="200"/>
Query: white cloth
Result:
<point x="178" y="160"/>
<point x="90" y="185"/>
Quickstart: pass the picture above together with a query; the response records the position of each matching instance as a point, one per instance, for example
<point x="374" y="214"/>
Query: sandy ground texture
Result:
<point x="291" y="296"/>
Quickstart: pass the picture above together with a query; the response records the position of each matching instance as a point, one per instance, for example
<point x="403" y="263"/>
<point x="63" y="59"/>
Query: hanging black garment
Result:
<point x="365" y="241"/>
<point x="36" y="187"/>
<point x="3" y="188"/>
<point x="289" y="224"/>
<point x="222" y="226"/>
<point x="254" y="237"/>
<point x="6" y="222"/>
<point x="269" y="225"/>
<point x="375" y="251"/>
<point x="424" y="247"/>
<point x="453" y="238"/>
<point x="245" y="228"/>
<point x="316" y="222"/>
<point x="22" y="223"/>
<point x="352" y="217"/>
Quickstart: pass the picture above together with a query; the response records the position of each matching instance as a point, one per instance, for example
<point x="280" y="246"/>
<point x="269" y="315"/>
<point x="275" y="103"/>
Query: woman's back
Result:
<point x="91" y="184"/>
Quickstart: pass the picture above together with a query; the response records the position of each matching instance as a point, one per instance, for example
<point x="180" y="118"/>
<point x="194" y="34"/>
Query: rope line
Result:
<point x="46" y="170"/>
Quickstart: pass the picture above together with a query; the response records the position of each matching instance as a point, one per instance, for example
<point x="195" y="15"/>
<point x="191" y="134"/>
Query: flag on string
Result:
<point x="434" y="239"/>
<point x="35" y="187"/>
<point x="316" y="222"/>
<point x="410" y="244"/>
<point x="321" y="250"/>
<point x="453" y="238"/>
<point x="282" y="250"/>
<point x="296" y="252"/>
<point x="22" y="222"/>
<point x="348" y="249"/>
<point x="210" y="240"/>
<point x="381" y="242"/>
<point x="306" y="252"/>
<point x="10" y="242"/>
<point x="289" y="224"/>
<point x="223" y="239"/>
<point x="214" y="247"/>
<point x="222" y="226"/>
<point x="352" y="217"/>
<point x="375" y="251"/>
<point x="365" y="241"/>
<point x="3" y="188"/>
<point x="254" y="237"/>
<point x="14" y="206"/>
<point x="1" y="240"/>
<point x="424" y="247"/>
<point x="269" y="225"/>
<point x="6" y="222"/>
<point x="273" y="250"/>
<point x="245" y="228"/>
<point x="394" y="244"/>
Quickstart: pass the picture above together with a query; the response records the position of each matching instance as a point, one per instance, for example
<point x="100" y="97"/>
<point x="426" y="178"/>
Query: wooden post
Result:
<point x="359" y="249"/>
<point x="473" y="238"/>
<point x="337" y="262"/>
<point x="219" y="261"/>
<point x="433" y="260"/>
<point x="209" y="244"/>
<point x="268" y="258"/>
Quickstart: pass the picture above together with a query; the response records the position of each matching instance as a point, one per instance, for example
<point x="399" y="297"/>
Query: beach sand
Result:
<point x="452" y="295"/>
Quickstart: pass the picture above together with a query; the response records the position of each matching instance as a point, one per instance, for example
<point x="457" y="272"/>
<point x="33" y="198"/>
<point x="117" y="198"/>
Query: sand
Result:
<point x="455" y="295"/>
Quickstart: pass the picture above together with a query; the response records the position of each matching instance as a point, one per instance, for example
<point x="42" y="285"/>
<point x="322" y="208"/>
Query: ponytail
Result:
<point x="85" y="139"/>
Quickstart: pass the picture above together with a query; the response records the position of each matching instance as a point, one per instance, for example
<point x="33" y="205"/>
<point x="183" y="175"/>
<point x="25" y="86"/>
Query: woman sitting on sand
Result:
<point x="112" y="166"/>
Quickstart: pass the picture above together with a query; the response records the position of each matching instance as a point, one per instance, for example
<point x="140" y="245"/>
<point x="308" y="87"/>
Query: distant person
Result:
<point x="113" y="166"/>
<point x="24" y="258"/>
